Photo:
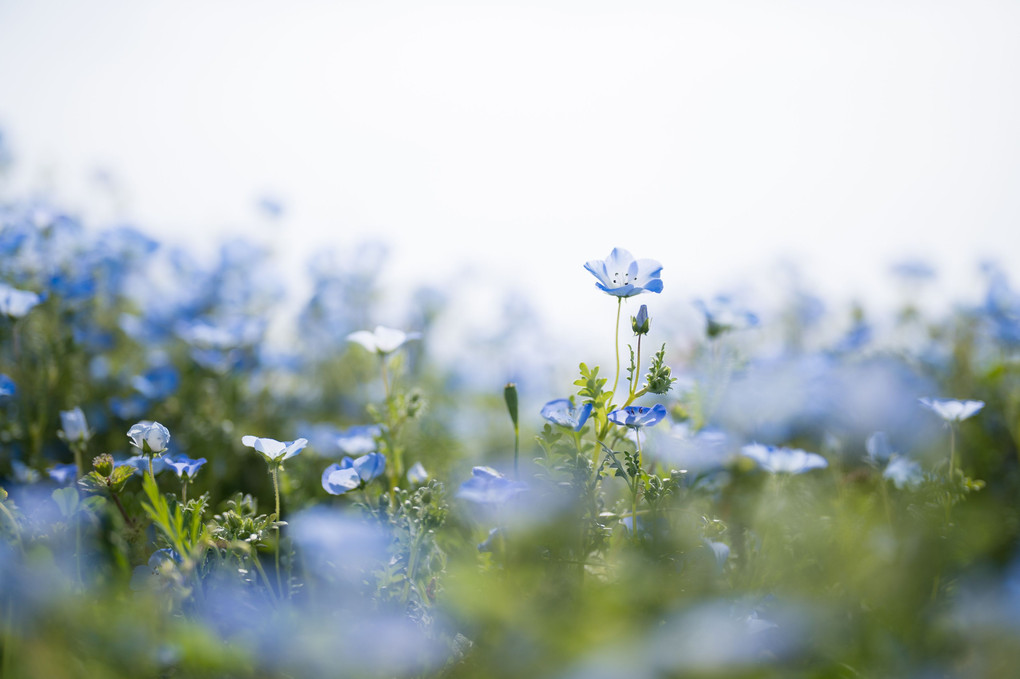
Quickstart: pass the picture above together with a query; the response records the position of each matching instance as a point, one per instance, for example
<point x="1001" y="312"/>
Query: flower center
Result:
<point x="621" y="278"/>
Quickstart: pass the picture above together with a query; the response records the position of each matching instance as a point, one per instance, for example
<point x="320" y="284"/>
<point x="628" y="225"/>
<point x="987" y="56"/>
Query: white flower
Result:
<point x="952" y="410"/>
<point x="16" y="303"/>
<point x="273" y="450"/>
<point x="417" y="474"/>
<point x="382" y="340"/>
<point x="149" y="437"/>
<point x="75" y="428"/>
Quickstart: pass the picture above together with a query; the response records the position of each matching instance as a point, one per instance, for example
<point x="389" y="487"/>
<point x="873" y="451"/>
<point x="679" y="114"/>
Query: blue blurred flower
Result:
<point x="621" y="275"/>
<point x="952" y="410"/>
<point x="273" y="450"/>
<point x="149" y="437"/>
<point x="130" y="407"/>
<point x="74" y="427"/>
<point x="488" y="486"/>
<point x="359" y="440"/>
<point x="184" y="465"/>
<point x="63" y="474"/>
<point x="382" y="340"/>
<point x="878" y="447"/>
<point x="16" y="303"/>
<point x="565" y="414"/>
<point x="638" y="416"/>
<point x="368" y="466"/>
<point x="157" y="383"/>
<point x="417" y="475"/>
<point x="7" y="386"/>
<point x="141" y="464"/>
<point x="904" y="473"/>
<point x="913" y="269"/>
<point x="779" y="460"/>
<point x="723" y="315"/>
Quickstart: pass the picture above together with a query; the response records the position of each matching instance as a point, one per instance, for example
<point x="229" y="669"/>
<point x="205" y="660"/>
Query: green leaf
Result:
<point x="67" y="500"/>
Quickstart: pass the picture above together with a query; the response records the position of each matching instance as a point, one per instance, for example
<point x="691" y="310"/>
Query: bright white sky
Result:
<point x="529" y="137"/>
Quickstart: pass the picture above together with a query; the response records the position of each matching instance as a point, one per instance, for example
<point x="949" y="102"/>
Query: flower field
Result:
<point x="183" y="497"/>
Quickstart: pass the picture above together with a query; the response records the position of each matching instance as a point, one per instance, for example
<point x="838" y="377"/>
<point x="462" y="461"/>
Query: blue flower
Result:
<point x="621" y="275"/>
<point x="903" y="473"/>
<point x="779" y="460"/>
<point x="141" y="464"/>
<point x="272" y="450"/>
<point x="358" y="440"/>
<point x="640" y="324"/>
<point x="7" y="386"/>
<point x="149" y="437"/>
<point x="565" y="414"/>
<point x="337" y="480"/>
<point x="75" y="428"/>
<point x="488" y="486"/>
<point x="382" y="340"/>
<point x="63" y="474"/>
<point x="952" y="410"/>
<point x="723" y="315"/>
<point x="185" y="466"/>
<point x="369" y="466"/>
<point x="16" y="303"/>
<point x="878" y="447"/>
<point x="417" y="475"/>
<point x="638" y="416"/>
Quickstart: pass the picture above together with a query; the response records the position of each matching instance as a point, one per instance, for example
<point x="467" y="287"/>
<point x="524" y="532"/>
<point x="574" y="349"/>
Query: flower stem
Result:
<point x="616" y="335"/>
<point x="275" y="473"/>
<point x="637" y="370"/>
<point x="952" y="450"/>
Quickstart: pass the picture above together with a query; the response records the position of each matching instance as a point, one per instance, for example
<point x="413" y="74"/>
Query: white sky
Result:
<point x="529" y="137"/>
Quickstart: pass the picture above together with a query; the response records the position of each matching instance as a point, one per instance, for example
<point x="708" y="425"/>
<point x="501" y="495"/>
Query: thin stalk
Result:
<point x="76" y="449"/>
<point x="262" y="572"/>
<point x="517" y="449"/>
<point x="184" y="492"/>
<point x="952" y="450"/>
<point x="634" y="492"/>
<point x="637" y="372"/>
<point x="275" y="473"/>
<point x="616" y="335"/>
<point x="123" y="513"/>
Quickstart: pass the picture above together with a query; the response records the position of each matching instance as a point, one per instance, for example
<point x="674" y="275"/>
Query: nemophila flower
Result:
<point x="382" y="340"/>
<point x="723" y="315"/>
<point x="273" y="450"/>
<point x="150" y="437"/>
<point x="903" y="473"/>
<point x="351" y="473"/>
<point x="952" y="410"/>
<point x="621" y="275"/>
<point x="638" y="416"/>
<point x="7" y="386"/>
<point x="417" y="475"/>
<point x="74" y="427"/>
<point x="566" y="414"/>
<point x="878" y="447"/>
<point x="184" y="466"/>
<point x="779" y="460"/>
<point x="488" y="486"/>
<point x="337" y="480"/>
<point x="141" y="463"/>
<point x="63" y="474"/>
<point x="16" y="303"/>
<point x="358" y="440"/>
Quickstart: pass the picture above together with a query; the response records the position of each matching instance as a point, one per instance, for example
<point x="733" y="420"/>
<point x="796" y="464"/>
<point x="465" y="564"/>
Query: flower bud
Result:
<point x="640" y="323"/>
<point x="103" y="464"/>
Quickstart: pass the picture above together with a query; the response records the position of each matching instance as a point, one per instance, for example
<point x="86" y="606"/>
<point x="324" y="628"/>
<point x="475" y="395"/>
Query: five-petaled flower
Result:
<point x="185" y="466"/>
<point x="382" y="340"/>
<point x="337" y="479"/>
<point x="274" y="452"/>
<point x="952" y="410"/>
<point x="150" y="437"/>
<point x="566" y="414"/>
<point x="638" y="416"/>
<point x="487" y="486"/>
<point x="621" y="275"/>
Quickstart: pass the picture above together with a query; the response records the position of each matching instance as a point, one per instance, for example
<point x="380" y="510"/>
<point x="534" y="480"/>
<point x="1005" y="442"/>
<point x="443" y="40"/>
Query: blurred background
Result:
<point x="492" y="148"/>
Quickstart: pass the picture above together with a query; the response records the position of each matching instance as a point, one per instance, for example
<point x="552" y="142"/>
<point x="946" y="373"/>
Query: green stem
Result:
<point x="184" y="492"/>
<point x="76" y="449"/>
<point x="262" y="572"/>
<point x="412" y="564"/>
<point x="634" y="492"/>
<point x="275" y="473"/>
<point x="517" y="448"/>
<point x="619" y="308"/>
<point x="952" y="450"/>
<point x="14" y="525"/>
<point x="637" y="371"/>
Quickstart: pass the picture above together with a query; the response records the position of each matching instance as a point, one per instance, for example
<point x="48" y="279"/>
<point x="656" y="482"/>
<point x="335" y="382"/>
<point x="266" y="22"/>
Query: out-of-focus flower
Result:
<point x="141" y="464"/>
<point x="878" y="447"/>
<point x="358" y="440"/>
<point x="63" y="474"/>
<point x="913" y="269"/>
<point x="903" y="473"/>
<point x="382" y="340"/>
<point x="723" y="315"/>
<point x="75" y="428"/>
<point x="621" y="275"/>
<point x="779" y="460"/>
<point x="566" y="414"/>
<point x="369" y="466"/>
<point x="272" y="450"/>
<point x="640" y="324"/>
<point x="149" y="437"/>
<point x="157" y="383"/>
<point x="417" y="475"/>
<point x="952" y="410"/>
<point x="486" y="544"/>
<point x="337" y="480"/>
<point x="184" y="466"/>
<point x="638" y="416"/>
<point x="16" y="303"/>
<point x="488" y="486"/>
<point x="7" y="386"/>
